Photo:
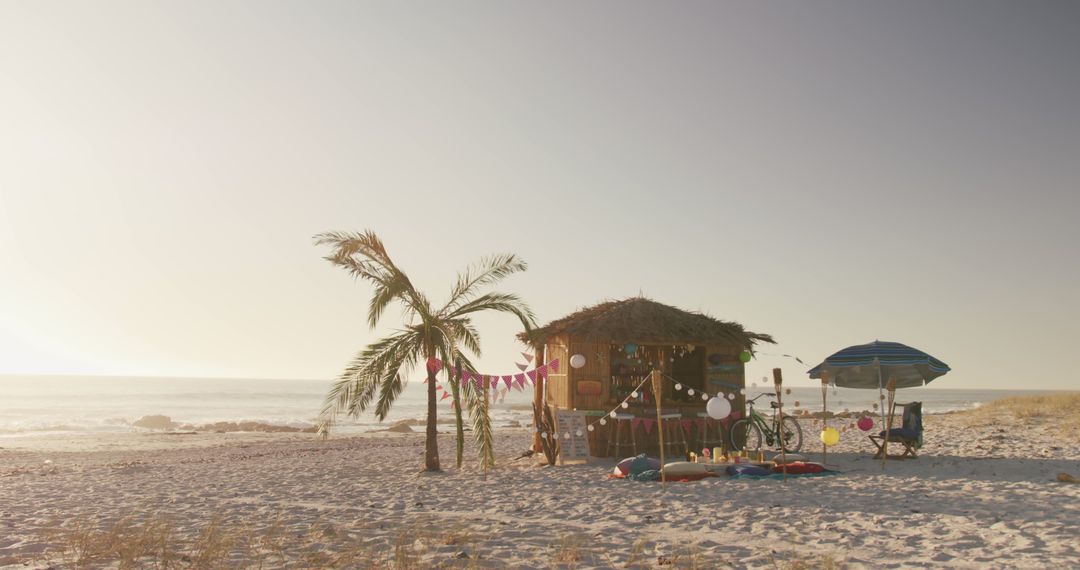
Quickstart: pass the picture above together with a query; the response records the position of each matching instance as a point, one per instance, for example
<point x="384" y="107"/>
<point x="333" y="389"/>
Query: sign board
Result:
<point x="575" y="447"/>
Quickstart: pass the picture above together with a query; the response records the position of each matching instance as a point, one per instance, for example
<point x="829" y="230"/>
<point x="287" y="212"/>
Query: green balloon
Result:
<point x="745" y="356"/>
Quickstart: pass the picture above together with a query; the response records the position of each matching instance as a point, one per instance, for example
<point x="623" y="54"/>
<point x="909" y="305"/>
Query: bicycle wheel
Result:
<point x="792" y="434"/>
<point x="745" y="431"/>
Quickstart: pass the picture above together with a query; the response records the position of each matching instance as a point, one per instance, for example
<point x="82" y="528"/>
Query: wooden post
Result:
<point x="888" y="422"/>
<point x="778" y="380"/>
<point x="539" y="396"/>
<point x="656" y="386"/>
<point x="824" y="412"/>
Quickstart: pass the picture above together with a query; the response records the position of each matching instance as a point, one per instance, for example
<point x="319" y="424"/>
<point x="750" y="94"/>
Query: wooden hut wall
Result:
<point x="724" y="372"/>
<point x="596" y="369"/>
<point x="558" y="384"/>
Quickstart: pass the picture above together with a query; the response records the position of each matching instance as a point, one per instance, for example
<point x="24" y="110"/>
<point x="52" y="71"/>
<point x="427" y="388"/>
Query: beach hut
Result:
<point x="608" y="350"/>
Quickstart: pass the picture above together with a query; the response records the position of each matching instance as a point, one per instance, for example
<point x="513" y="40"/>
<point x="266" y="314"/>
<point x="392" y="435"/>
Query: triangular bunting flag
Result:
<point x="522" y="367"/>
<point x="648" y="425"/>
<point x="687" y="425"/>
<point x="507" y="380"/>
<point x="634" y="423"/>
<point x="494" y="382"/>
<point x="445" y="395"/>
<point x="554" y="364"/>
<point x="520" y="378"/>
<point x="542" y="371"/>
<point x="528" y="357"/>
<point x="532" y="375"/>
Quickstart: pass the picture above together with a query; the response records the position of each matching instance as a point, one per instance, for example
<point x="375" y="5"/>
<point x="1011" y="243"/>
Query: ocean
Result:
<point x="62" y="404"/>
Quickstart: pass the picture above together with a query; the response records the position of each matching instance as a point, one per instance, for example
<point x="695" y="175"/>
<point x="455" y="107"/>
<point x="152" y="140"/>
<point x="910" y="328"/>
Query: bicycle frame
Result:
<point x="771" y="432"/>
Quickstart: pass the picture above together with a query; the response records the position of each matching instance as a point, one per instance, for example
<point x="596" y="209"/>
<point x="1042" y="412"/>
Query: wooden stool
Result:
<point x="616" y="439"/>
<point x="711" y="433"/>
<point x="675" y="437"/>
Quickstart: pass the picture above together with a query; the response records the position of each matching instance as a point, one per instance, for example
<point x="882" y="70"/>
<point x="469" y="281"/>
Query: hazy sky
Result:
<point x="827" y="172"/>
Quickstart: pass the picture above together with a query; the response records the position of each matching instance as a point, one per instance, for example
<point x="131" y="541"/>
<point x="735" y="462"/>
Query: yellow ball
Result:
<point x="829" y="436"/>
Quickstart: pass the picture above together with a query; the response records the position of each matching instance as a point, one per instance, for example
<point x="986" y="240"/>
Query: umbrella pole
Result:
<point x="824" y="413"/>
<point x="888" y="426"/>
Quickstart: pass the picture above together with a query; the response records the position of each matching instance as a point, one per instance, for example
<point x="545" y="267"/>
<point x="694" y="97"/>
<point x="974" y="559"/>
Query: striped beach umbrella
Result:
<point x="873" y="364"/>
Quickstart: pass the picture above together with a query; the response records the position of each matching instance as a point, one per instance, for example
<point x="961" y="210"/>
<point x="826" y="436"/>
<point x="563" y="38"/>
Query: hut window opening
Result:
<point x="688" y="369"/>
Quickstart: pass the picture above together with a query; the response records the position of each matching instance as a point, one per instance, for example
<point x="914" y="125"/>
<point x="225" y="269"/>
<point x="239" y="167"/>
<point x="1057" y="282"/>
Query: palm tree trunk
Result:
<point x="431" y="449"/>
<point x="455" y="387"/>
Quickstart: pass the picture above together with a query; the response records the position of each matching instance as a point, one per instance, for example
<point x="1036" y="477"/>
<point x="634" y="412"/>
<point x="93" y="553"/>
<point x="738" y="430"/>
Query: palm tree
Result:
<point x="428" y="333"/>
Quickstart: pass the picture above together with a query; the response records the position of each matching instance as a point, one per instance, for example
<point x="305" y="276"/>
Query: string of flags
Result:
<point x="510" y="380"/>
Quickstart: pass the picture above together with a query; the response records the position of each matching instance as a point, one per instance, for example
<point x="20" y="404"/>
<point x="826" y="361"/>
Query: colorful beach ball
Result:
<point x="865" y="423"/>
<point x="829" y="436"/>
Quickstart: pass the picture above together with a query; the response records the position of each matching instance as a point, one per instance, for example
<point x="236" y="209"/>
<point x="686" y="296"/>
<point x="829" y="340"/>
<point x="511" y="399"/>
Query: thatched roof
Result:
<point x="645" y="321"/>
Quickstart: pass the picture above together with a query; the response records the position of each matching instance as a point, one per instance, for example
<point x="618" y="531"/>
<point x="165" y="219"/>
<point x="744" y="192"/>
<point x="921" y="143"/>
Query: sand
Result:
<point x="982" y="496"/>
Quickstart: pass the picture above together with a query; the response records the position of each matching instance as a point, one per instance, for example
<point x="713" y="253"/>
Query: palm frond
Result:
<point x="357" y="385"/>
<point x="500" y="302"/>
<point x="487" y="271"/>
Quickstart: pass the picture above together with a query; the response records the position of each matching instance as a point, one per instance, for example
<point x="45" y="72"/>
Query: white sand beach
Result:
<point x="982" y="494"/>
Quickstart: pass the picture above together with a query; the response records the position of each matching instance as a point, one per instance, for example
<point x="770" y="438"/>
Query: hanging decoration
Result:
<point x="492" y="380"/>
<point x="866" y="423"/>
<point x="829" y="436"/>
<point x="577" y="361"/>
<point x="745" y="356"/>
<point x="718" y="408"/>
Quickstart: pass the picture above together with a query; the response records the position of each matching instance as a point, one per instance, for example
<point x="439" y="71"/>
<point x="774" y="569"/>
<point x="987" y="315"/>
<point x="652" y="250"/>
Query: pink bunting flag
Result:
<point x="522" y="367"/>
<point x="554" y="364"/>
<point x="542" y="371"/>
<point x="520" y="379"/>
<point x="466" y="376"/>
<point x="634" y="423"/>
<point x="648" y="425"/>
<point x="528" y="357"/>
<point x="452" y="405"/>
<point x="687" y="425"/>
<point x="532" y="375"/>
<point x="698" y="424"/>
<point x="445" y="395"/>
<point x="433" y="365"/>
<point x="507" y="380"/>
<point x="494" y="382"/>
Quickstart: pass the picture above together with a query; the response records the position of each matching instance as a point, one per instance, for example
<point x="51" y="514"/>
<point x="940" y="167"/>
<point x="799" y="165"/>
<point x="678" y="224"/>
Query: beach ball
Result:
<point x="577" y="361"/>
<point x="718" y="408"/>
<point x="865" y="423"/>
<point x="829" y="436"/>
<point x="745" y="356"/>
<point x="630" y="348"/>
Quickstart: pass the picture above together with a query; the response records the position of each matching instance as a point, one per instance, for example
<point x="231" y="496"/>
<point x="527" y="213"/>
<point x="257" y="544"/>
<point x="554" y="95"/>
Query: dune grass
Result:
<point x="1061" y="409"/>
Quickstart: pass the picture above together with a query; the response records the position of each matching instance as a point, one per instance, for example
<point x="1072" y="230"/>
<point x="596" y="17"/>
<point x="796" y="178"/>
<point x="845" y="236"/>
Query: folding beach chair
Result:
<point x="909" y="434"/>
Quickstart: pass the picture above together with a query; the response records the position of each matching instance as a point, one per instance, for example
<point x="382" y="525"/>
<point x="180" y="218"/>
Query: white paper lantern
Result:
<point x="690" y="391"/>
<point x="603" y="422"/>
<point x="705" y="397"/>
<point x="625" y="405"/>
<point x="678" y="386"/>
<point x="578" y="433"/>
<point x="613" y="414"/>
<point x="592" y="428"/>
<point x="577" y="361"/>
<point x="718" y="408"/>
<point x="634" y="394"/>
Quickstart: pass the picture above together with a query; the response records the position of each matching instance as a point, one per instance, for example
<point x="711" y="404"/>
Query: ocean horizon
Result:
<point x="40" y="404"/>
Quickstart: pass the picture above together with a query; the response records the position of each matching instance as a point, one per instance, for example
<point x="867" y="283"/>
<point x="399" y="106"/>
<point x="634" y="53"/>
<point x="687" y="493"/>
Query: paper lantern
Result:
<point x="829" y="436"/>
<point x="592" y="428"/>
<point x="865" y="423"/>
<point x="625" y="405"/>
<point x="678" y="386"/>
<point x="690" y="391"/>
<point x="630" y="348"/>
<point x="705" y="397"/>
<point x="577" y="361"/>
<point x="718" y="408"/>
<point x="745" y="356"/>
<point x="603" y="422"/>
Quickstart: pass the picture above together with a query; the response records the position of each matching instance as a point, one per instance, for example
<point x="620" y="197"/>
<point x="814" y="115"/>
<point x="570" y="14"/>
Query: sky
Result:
<point x="826" y="172"/>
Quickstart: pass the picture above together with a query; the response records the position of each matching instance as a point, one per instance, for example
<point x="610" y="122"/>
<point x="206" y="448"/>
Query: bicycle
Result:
<point x="757" y="430"/>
